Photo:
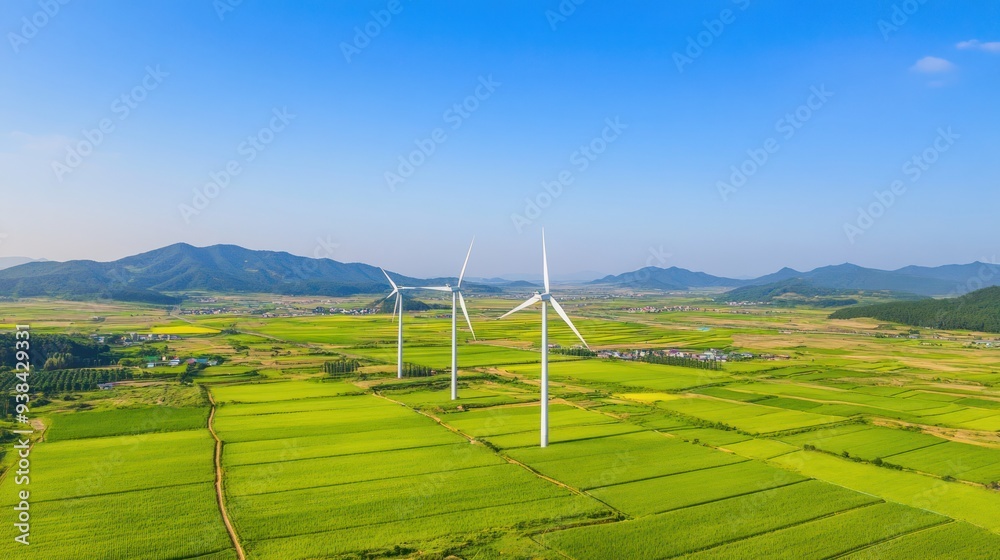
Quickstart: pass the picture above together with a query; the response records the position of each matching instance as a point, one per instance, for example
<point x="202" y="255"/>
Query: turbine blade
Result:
<point x="461" y="300"/>
<point x="467" y="255"/>
<point x="565" y="317"/>
<point x="393" y="284"/>
<point x="434" y="288"/>
<point x="532" y="300"/>
<point x="545" y="264"/>
<point x="396" y="305"/>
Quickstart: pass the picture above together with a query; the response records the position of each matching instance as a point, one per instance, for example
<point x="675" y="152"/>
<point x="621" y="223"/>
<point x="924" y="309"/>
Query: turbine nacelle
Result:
<point x="546" y="297"/>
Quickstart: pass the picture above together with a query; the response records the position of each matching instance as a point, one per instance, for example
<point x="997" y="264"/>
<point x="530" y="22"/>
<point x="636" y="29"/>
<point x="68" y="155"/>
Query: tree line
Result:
<point x="56" y="352"/>
<point x="976" y="311"/>
<point x="342" y="365"/>
<point x="414" y="370"/>
<point x="59" y="381"/>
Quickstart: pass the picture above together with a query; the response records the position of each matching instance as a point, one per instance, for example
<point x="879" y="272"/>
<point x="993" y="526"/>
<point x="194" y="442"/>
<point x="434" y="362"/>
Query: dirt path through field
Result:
<point x="508" y="458"/>
<point x="218" y="481"/>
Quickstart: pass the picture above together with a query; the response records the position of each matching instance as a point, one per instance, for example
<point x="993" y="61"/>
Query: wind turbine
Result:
<point x="398" y="292"/>
<point x="456" y="297"/>
<point x="546" y="298"/>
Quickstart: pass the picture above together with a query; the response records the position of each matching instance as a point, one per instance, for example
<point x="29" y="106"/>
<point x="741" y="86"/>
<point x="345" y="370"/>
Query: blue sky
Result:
<point x="692" y="92"/>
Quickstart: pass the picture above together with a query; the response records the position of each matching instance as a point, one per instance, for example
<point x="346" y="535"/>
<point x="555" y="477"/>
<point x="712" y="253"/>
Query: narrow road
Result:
<point x="218" y="481"/>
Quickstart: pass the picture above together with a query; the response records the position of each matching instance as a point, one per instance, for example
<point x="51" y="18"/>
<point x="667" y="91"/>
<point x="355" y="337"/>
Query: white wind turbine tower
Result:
<point x="546" y="298"/>
<point x="398" y="292"/>
<point x="456" y="297"/>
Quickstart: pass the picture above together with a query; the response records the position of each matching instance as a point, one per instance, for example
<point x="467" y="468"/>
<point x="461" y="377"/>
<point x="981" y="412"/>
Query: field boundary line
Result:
<point x="740" y="495"/>
<point x="776" y="529"/>
<point x="443" y="514"/>
<point x="428" y="415"/>
<point x="613" y="484"/>
<point x="102" y="494"/>
<point x="857" y="549"/>
<point x="219" y="493"/>
<point x="916" y="449"/>
<point x="509" y="459"/>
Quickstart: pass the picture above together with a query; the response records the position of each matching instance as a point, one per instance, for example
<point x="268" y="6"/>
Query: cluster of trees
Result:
<point x="56" y="351"/>
<point x="413" y="370"/>
<point x="42" y="381"/>
<point x="190" y="371"/>
<point x="977" y="311"/>
<point x="575" y="352"/>
<point x="682" y="362"/>
<point x="342" y="365"/>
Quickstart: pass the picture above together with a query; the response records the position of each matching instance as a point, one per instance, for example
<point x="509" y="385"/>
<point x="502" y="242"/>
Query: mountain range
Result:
<point x="919" y="280"/>
<point x="149" y="277"/>
<point x="157" y="276"/>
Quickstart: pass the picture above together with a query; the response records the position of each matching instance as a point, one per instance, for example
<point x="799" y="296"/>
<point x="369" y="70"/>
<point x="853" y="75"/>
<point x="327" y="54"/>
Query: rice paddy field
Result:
<point x="838" y="439"/>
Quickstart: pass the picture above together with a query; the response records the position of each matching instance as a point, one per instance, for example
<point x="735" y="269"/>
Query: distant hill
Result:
<point x="792" y="290"/>
<point x="672" y="278"/>
<point x="925" y="281"/>
<point x="522" y="284"/>
<point x="386" y="305"/>
<point x="957" y="274"/>
<point x="8" y="262"/>
<point x="853" y="277"/>
<point x="977" y="311"/>
<point x="783" y="274"/>
<point x="178" y="268"/>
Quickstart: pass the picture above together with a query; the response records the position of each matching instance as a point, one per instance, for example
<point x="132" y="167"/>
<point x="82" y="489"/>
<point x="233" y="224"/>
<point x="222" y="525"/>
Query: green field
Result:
<point x="835" y="441"/>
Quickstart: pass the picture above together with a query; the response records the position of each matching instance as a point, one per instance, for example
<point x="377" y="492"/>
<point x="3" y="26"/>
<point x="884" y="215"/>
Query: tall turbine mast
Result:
<point x="456" y="297"/>
<point x="546" y="298"/>
<point x="398" y="292"/>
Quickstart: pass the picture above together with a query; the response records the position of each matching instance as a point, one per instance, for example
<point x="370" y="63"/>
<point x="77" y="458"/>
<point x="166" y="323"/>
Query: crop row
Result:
<point x="829" y="536"/>
<point x="125" y="421"/>
<point x="363" y="504"/>
<point x="690" y="529"/>
<point x="593" y="463"/>
<point x="86" y="467"/>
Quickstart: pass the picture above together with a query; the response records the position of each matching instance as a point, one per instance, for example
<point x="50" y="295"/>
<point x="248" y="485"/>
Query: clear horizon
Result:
<point x="729" y="137"/>
<point x="575" y="274"/>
